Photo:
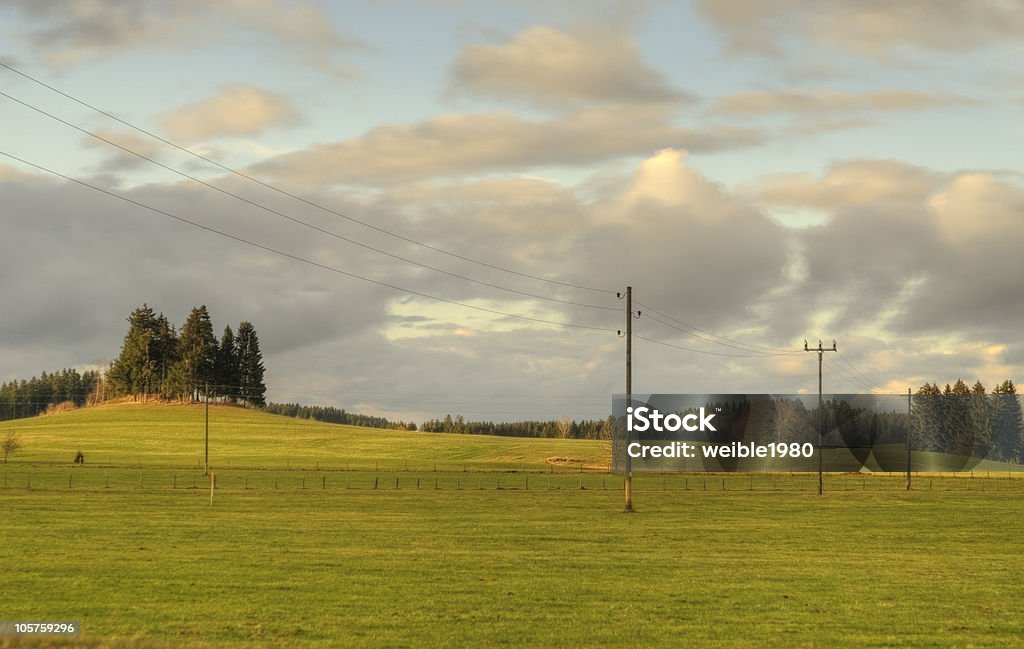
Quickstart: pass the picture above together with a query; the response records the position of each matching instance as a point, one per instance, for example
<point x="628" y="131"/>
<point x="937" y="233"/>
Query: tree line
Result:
<point x="333" y="415"/>
<point x="969" y="421"/>
<point x="50" y="389"/>
<point x="563" y="428"/>
<point x="156" y="360"/>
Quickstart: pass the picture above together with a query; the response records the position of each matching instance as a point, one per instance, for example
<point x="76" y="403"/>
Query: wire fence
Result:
<point x="105" y="479"/>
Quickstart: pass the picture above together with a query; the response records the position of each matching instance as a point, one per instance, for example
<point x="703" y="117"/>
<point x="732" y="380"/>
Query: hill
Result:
<point x="173" y="434"/>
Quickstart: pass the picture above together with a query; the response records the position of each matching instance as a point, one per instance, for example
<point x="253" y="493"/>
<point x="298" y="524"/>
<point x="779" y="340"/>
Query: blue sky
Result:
<point x="766" y="171"/>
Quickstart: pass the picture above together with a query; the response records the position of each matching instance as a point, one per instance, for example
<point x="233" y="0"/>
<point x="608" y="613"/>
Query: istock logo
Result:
<point x="643" y="419"/>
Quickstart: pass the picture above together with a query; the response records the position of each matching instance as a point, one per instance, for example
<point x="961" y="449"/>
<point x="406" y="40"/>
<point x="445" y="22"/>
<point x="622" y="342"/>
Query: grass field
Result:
<point x="165" y="434"/>
<point x="753" y="561"/>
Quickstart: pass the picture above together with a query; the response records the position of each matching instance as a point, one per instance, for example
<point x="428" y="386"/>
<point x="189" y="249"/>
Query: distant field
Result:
<point x="494" y="548"/>
<point x="164" y="434"/>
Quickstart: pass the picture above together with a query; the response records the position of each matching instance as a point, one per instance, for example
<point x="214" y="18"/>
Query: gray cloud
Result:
<point x="918" y="279"/>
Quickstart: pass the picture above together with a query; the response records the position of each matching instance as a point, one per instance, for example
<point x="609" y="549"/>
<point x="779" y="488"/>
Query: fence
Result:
<point x="45" y="478"/>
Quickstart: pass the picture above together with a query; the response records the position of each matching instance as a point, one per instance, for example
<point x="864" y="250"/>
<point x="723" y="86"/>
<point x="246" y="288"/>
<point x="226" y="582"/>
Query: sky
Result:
<point x="428" y="207"/>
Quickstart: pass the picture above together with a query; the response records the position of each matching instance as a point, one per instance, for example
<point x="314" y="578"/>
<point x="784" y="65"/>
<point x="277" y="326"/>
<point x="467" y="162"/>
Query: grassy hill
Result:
<point x="173" y="435"/>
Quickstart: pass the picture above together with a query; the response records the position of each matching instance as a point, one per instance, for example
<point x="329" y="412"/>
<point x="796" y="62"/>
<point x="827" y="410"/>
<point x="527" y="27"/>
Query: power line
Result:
<point x="708" y="333"/>
<point x="861" y="374"/>
<point x="845" y="374"/>
<point x="296" y="220"/>
<point x="778" y="353"/>
<point x="701" y="351"/>
<point x="296" y="257"/>
<point x="293" y="196"/>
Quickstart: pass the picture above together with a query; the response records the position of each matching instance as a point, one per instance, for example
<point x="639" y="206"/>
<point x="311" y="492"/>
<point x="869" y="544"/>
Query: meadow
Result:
<point x="495" y="546"/>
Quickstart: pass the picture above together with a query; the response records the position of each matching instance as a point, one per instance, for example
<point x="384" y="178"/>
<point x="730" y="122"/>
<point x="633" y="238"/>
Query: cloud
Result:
<point x="450" y="145"/>
<point x="828" y="101"/>
<point x="906" y="251"/>
<point x="547" y="66"/>
<point x="917" y="276"/>
<point x="65" y="33"/>
<point x="847" y="183"/>
<point x="873" y="29"/>
<point x="238" y="110"/>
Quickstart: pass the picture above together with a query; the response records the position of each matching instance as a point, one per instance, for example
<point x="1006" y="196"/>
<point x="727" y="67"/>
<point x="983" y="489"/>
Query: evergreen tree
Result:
<point x="135" y="369"/>
<point x="1007" y="422"/>
<point x="166" y="347"/>
<point x="960" y="424"/>
<point x="197" y="347"/>
<point x="228" y="366"/>
<point x="250" y="365"/>
<point x="927" y="417"/>
<point x="981" y="420"/>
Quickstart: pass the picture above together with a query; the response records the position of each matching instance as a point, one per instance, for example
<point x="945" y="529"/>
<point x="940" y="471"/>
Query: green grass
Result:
<point x="167" y="434"/>
<point x="482" y="560"/>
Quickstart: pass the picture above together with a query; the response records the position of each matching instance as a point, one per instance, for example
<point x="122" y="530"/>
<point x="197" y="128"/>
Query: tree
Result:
<point x="198" y="351"/>
<point x="10" y="444"/>
<point x="228" y="366"/>
<point x="135" y="368"/>
<point x="1007" y="422"/>
<point x="927" y="417"/>
<point x="166" y="347"/>
<point x="564" y="426"/>
<point x="981" y="420"/>
<point x="250" y="366"/>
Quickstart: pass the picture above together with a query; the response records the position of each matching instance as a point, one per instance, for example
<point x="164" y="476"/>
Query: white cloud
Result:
<point x="457" y="144"/>
<point x="846" y="183"/>
<point x="872" y="29"/>
<point x="65" y="33"/>
<point x="238" y="110"/>
<point x="547" y="66"/>
<point x="830" y="101"/>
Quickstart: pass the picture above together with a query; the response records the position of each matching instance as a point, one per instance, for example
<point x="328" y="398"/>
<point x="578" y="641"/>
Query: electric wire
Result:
<point x="297" y="221"/>
<point x="288" y="255"/>
<point x="861" y="374"/>
<point x="753" y="353"/>
<point x="848" y="377"/>
<point x="699" y="351"/>
<point x="708" y="333"/>
<point x="294" y="196"/>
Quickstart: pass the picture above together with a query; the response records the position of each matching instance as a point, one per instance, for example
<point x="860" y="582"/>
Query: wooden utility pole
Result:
<point x="821" y="412"/>
<point x="629" y="392"/>
<point x="909" y="430"/>
<point x="207" y="459"/>
<point x="628" y="483"/>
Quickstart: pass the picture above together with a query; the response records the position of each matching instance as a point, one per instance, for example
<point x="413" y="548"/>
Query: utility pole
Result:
<point x="207" y="472"/>
<point x="628" y="483"/>
<point x="909" y="424"/>
<point x="821" y="433"/>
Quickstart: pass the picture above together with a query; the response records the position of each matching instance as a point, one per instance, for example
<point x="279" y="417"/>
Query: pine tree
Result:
<point x="166" y="348"/>
<point x="198" y="352"/>
<point x="228" y="366"/>
<point x="927" y="417"/>
<point x="1007" y="422"/>
<point x="981" y="420"/>
<point x="250" y="364"/>
<point x="135" y="369"/>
